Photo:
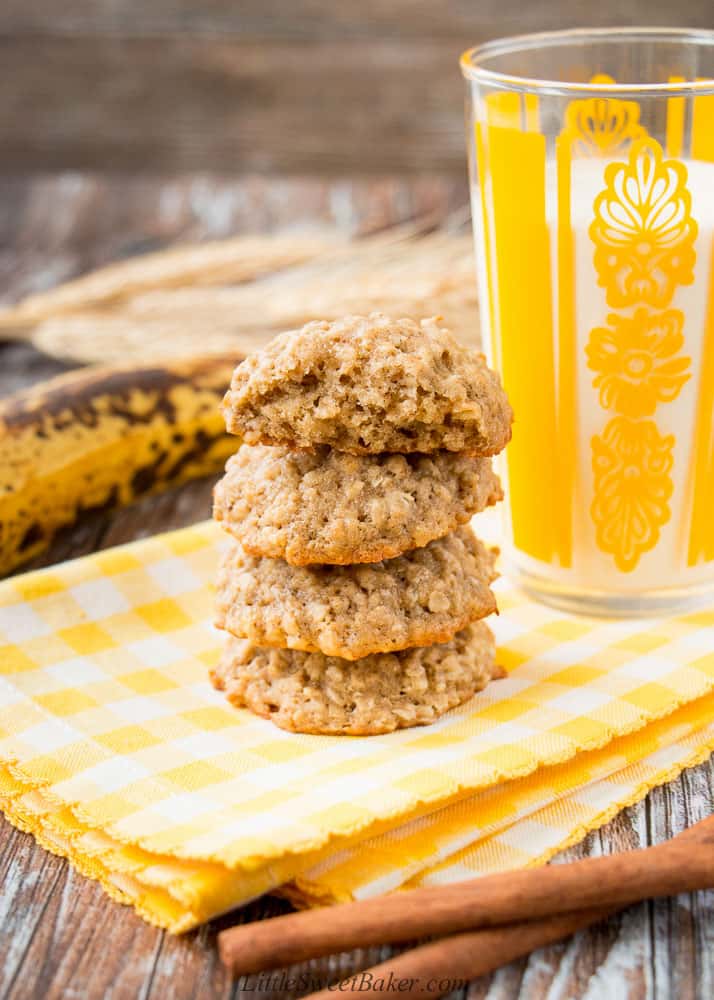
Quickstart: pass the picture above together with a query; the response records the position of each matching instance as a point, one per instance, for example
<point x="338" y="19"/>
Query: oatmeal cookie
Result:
<point x="422" y="597"/>
<point x="329" y="507"/>
<point x="313" y="693"/>
<point x="368" y="384"/>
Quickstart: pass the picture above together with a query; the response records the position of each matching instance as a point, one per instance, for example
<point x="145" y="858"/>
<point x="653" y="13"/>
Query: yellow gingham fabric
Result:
<point x="563" y="822"/>
<point x="523" y="822"/>
<point x="117" y="753"/>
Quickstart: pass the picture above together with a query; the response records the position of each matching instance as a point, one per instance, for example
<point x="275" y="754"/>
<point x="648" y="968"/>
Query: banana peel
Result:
<point x="100" y="438"/>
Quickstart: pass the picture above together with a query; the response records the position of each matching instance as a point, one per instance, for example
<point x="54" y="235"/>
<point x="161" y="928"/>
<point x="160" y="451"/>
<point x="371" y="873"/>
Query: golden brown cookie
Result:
<point x="422" y="597"/>
<point x="325" y="506"/>
<point x="312" y="693"/>
<point x="368" y="384"/>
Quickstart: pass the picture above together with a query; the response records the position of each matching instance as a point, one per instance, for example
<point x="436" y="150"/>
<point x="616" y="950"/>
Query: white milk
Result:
<point x="665" y="565"/>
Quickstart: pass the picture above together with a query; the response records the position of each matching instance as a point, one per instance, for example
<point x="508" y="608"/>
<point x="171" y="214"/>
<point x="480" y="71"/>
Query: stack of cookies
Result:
<point x="353" y="589"/>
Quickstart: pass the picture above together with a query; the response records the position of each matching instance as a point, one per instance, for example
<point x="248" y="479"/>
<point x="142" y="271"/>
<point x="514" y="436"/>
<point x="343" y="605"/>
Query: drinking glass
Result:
<point x="592" y="178"/>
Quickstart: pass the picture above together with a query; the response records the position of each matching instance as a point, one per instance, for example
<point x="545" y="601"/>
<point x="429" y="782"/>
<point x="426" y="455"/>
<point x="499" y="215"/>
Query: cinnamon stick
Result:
<point x="682" y="864"/>
<point x="448" y="964"/>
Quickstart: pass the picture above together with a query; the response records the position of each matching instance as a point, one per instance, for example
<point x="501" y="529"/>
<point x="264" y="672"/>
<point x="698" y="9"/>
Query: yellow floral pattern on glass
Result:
<point x="602" y="126"/>
<point x="643" y="230"/>
<point x="631" y="463"/>
<point x="644" y="237"/>
<point x="637" y="361"/>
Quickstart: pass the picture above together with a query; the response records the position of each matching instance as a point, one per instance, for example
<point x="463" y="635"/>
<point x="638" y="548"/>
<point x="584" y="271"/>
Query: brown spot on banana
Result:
<point x="101" y="437"/>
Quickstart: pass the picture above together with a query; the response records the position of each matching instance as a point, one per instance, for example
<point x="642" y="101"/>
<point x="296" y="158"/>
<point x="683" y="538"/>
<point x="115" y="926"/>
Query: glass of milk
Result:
<point x="592" y="168"/>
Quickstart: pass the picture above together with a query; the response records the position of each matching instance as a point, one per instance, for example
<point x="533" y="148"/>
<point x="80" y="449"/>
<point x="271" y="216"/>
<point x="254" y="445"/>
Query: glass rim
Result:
<point x="473" y="70"/>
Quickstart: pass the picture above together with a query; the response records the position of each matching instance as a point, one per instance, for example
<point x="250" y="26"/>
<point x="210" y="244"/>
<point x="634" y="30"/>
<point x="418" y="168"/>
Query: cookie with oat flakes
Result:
<point x="326" y="506"/>
<point x="421" y="597"/>
<point x="313" y="693"/>
<point x="369" y="384"/>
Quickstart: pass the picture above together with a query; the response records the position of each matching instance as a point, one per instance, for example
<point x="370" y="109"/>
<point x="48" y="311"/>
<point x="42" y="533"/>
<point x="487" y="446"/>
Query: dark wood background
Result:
<point x="267" y="85"/>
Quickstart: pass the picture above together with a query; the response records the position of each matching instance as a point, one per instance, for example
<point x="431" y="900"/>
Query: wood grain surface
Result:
<point x="60" y="936"/>
<point x="290" y="85"/>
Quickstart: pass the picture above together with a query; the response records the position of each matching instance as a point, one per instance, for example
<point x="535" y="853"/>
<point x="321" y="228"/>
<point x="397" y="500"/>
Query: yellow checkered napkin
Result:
<point x="563" y="822"/>
<point x="117" y="752"/>
<point x="519" y="823"/>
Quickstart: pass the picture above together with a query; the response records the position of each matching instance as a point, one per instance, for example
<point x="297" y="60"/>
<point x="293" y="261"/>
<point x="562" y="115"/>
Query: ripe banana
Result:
<point x="101" y="437"/>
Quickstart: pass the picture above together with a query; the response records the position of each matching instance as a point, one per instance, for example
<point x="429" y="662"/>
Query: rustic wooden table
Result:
<point x="60" y="936"/>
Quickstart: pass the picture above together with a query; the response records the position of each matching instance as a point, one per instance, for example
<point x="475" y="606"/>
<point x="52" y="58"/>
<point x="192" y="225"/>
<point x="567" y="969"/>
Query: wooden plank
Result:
<point x="60" y="936"/>
<point x="194" y="103"/>
<point x="318" y="86"/>
<point x="29" y="877"/>
<point x="465" y="22"/>
<point x="54" y="227"/>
